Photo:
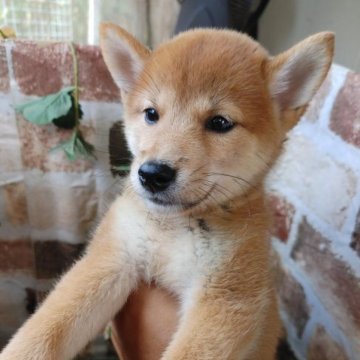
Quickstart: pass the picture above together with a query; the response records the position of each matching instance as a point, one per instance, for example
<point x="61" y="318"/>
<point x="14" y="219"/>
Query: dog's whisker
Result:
<point x="196" y="170"/>
<point x="231" y="176"/>
<point x="268" y="165"/>
<point x="227" y="198"/>
<point x="237" y="179"/>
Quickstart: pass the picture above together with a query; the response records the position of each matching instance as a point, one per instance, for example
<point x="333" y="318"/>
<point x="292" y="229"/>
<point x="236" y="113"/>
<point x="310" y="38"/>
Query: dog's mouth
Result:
<point x="177" y="203"/>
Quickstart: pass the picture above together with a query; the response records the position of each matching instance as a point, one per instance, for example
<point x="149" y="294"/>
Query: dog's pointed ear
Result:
<point x="295" y="75"/>
<point x="123" y="54"/>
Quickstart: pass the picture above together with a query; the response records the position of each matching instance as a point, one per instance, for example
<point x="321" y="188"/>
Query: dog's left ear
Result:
<point x="124" y="55"/>
<point x="295" y="75"/>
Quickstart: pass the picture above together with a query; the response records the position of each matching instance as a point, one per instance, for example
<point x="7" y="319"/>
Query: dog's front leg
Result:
<point x="217" y="328"/>
<point x="85" y="299"/>
<point x="212" y="332"/>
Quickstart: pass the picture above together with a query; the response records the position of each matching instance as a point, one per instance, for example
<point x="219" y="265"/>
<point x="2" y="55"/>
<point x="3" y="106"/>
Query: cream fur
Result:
<point x="213" y="255"/>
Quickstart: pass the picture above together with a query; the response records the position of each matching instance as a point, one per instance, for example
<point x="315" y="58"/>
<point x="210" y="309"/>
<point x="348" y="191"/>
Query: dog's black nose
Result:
<point x="155" y="176"/>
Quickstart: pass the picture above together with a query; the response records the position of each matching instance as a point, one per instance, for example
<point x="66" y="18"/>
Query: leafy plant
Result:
<point x="63" y="111"/>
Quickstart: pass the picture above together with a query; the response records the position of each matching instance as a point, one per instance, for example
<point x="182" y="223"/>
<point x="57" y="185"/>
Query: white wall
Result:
<point x="287" y="21"/>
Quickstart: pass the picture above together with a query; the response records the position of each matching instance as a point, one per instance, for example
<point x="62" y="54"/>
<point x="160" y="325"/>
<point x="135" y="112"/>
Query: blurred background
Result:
<point x="283" y="23"/>
<point x="50" y="201"/>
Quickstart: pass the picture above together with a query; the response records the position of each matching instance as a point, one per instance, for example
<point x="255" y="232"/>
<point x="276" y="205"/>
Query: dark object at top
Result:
<point x="239" y="15"/>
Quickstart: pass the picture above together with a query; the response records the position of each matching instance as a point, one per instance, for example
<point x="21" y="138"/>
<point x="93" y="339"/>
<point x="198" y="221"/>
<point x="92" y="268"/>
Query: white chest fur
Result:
<point x="174" y="252"/>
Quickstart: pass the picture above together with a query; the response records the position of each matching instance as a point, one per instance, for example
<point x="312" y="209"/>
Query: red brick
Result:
<point x="355" y="240"/>
<point x="95" y="81"/>
<point x="323" y="347"/>
<point x="333" y="280"/>
<point x="345" y="116"/>
<point x="16" y="255"/>
<point x="283" y="213"/>
<point x="4" y="72"/>
<point x="292" y="298"/>
<point x="42" y="68"/>
<point x="54" y="257"/>
<point x="15" y="203"/>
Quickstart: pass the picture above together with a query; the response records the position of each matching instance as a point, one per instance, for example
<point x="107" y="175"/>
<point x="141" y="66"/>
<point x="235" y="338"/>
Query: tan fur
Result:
<point x="210" y="248"/>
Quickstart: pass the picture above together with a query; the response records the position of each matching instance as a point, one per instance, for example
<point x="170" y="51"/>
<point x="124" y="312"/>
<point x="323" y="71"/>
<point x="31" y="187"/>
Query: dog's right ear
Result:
<point x="296" y="74"/>
<point x="123" y="54"/>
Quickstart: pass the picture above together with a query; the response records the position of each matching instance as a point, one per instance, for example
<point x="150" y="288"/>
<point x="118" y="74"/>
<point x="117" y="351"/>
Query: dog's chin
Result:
<point x="162" y="206"/>
<point x="167" y="204"/>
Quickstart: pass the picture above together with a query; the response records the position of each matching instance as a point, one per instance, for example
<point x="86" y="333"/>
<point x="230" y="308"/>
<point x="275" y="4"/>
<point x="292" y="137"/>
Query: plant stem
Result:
<point x="76" y="85"/>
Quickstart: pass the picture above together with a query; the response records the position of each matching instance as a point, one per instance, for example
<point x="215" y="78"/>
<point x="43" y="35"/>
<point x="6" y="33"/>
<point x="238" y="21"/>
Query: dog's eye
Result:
<point x="151" y="115"/>
<point x="219" y="124"/>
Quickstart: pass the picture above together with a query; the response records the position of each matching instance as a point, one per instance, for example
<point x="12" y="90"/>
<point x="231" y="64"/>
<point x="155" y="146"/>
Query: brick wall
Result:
<point x="315" y="196"/>
<point x="48" y="205"/>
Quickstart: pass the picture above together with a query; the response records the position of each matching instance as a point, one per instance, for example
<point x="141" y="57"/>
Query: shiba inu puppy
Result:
<point x="205" y="117"/>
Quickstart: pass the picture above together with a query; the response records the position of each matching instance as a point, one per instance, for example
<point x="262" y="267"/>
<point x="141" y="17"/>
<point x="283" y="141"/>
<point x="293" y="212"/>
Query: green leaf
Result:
<point x="76" y="147"/>
<point x="44" y="110"/>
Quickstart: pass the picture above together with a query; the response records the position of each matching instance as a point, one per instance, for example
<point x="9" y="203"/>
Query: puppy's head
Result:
<point x="206" y="113"/>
